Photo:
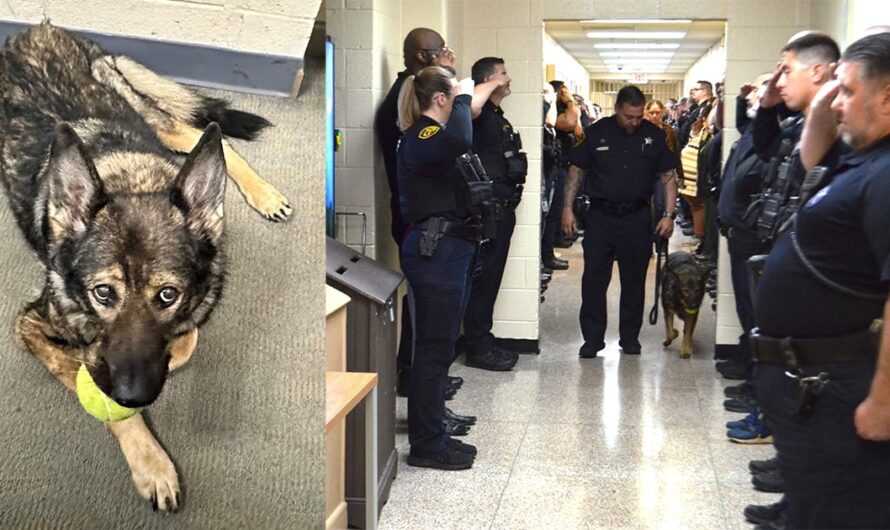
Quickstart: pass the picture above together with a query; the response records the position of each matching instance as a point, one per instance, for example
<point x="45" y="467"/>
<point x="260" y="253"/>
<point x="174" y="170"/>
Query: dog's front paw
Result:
<point x="264" y="198"/>
<point x="670" y="338"/>
<point x="154" y="476"/>
<point x="685" y="353"/>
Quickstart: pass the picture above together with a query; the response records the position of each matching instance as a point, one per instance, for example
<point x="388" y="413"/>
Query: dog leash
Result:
<point x="660" y="250"/>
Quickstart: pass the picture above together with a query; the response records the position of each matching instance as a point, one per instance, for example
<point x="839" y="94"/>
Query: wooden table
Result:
<point x="343" y="392"/>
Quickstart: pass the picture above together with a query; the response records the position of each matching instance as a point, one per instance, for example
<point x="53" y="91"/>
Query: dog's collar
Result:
<point x="690" y="311"/>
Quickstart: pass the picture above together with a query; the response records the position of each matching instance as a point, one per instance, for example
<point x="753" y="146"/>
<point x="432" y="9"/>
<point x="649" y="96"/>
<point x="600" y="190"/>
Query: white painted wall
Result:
<point x="711" y="66"/>
<point x="568" y="69"/>
<point x="862" y="14"/>
<point x="368" y="42"/>
<point x="280" y="27"/>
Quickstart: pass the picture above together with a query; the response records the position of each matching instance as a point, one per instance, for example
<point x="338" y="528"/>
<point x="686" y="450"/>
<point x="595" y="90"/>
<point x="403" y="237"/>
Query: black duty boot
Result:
<point x="769" y="481"/>
<point x="451" y="416"/>
<point x="450" y="459"/>
<point x="757" y="514"/>
<point x="490" y="360"/>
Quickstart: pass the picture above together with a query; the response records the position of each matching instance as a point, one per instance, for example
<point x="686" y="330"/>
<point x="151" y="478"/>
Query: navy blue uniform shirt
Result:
<point x="621" y="167"/>
<point x="426" y="155"/>
<point x="844" y="231"/>
<point x="388" y="135"/>
<point x="491" y="131"/>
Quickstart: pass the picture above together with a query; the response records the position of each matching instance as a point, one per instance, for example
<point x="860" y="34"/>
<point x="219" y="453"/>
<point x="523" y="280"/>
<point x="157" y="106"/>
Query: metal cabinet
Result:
<point x="371" y="346"/>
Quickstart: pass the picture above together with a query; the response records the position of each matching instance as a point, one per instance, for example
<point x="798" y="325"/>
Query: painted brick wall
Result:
<point x="280" y="27"/>
<point x="366" y="34"/>
<point x="514" y="30"/>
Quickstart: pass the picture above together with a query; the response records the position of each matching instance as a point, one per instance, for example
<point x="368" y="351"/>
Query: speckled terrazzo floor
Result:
<point x="614" y="442"/>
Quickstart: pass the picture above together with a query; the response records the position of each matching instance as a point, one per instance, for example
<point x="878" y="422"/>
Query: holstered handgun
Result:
<point x="430" y="235"/>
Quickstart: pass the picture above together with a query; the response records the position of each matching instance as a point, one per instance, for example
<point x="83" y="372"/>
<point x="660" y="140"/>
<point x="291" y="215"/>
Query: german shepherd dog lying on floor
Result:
<point x="130" y="234"/>
<point x="684" y="279"/>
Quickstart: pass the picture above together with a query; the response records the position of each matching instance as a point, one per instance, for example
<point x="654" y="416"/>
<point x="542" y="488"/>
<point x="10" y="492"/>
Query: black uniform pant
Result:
<point x="406" y="346"/>
<point x="438" y="287"/>
<point x="478" y="319"/>
<point x="553" y="219"/>
<point x="739" y="252"/>
<point x="627" y="239"/>
<point x="833" y="478"/>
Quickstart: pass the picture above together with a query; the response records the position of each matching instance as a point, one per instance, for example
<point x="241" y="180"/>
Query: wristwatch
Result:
<point x="671" y="215"/>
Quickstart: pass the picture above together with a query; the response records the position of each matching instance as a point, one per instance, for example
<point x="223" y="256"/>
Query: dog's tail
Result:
<point x="149" y="93"/>
<point x="233" y="122"/>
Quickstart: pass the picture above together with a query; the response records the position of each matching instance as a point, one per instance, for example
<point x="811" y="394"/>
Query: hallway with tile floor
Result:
<point x="613" y="442"/>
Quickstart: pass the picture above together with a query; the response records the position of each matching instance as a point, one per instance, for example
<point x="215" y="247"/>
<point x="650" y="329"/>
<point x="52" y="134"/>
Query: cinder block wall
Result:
<point x="368" y="43"/>
<point x="514" y="30"/>
<point x="279" y="27"/>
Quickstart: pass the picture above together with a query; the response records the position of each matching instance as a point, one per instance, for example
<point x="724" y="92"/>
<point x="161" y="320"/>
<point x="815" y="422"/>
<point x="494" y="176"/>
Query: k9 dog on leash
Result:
<point x="681" y="295"/>
<point x="129" y="232"/>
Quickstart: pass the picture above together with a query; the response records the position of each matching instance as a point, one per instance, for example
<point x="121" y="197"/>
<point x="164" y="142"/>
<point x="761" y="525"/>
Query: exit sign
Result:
<point x="640" y="78"/>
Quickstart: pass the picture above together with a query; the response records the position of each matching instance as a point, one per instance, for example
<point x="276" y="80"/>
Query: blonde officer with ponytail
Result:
<point x="443" y="233"/>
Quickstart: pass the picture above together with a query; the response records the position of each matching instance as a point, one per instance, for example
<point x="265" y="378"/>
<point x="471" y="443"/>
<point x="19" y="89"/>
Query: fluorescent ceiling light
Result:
<point x="650" y="55"/>
<point x="638" y="65"/>
<point x="637" y="21"/>
<point x="636" y="46"/>
<point x="636" y="70"/>
<point x="636" y="61"/>
<point x="656" y="35"/>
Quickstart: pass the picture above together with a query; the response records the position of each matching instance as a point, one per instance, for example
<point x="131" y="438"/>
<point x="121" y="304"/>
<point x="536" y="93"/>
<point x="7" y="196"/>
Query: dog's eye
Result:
<point x="167" y="296"/>
<point x="104" y="294"/>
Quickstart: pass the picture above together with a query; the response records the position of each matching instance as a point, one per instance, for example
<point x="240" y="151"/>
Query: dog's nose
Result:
<point x="137" y="384"/>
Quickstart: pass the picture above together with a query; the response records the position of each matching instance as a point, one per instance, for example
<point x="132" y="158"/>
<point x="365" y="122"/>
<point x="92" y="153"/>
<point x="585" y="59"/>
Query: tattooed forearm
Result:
<point x="573" y="182"/>
<point x="669" y="180"/>
<point x="668" y="176"/>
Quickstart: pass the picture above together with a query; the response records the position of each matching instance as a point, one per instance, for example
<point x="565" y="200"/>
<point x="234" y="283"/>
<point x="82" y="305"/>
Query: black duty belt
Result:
<point x="859" y="346"/>
<point x="457" y="229"/>
<point x="619" y="208"/>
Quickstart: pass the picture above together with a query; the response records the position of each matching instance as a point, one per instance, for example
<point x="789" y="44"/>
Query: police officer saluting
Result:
<point x="441" y="196"/>
<point x="623" y="155"/>
<point x="823" y="373"/>
<point x="499" y="148"/>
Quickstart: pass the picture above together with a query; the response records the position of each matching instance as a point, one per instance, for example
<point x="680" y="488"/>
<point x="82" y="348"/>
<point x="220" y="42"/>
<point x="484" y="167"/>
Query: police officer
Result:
<point x="499" y="148"/>
<point x="742" y="177"/>
<point x="805" y="66"/>
<point x="422" y="47"/>
<point x="803" y="69"/>
<point x="441" y="210"/>
<point x="823" y="371"/>
<point x="568" y="126"/>
<point x="622" y="155"/>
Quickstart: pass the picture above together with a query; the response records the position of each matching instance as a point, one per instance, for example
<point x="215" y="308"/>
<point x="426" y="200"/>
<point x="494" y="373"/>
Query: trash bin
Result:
<point x="371" y="345"/>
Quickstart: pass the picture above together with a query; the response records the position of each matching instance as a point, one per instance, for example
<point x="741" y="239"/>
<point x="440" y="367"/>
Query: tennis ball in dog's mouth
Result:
<point x="94" y="401"/>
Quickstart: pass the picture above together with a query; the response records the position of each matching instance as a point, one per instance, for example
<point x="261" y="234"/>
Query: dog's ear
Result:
<point x="202" y="184"/>
<point x="75" y="190"/>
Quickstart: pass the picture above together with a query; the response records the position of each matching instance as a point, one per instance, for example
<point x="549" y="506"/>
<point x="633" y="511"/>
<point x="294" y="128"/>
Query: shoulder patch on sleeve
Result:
<point x="580" y="139"/>
<point x="428" y="132"/>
